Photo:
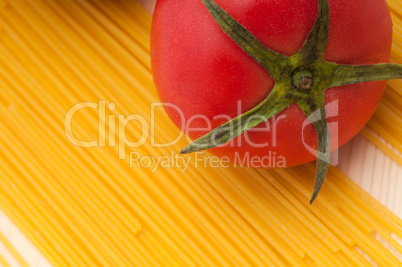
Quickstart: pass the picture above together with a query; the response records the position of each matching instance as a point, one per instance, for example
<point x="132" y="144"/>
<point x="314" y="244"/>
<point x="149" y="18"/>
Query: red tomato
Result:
<point x="200" y="69"/>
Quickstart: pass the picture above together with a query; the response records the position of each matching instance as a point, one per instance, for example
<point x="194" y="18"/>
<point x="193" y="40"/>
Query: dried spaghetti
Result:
<point x="89" y="206"/>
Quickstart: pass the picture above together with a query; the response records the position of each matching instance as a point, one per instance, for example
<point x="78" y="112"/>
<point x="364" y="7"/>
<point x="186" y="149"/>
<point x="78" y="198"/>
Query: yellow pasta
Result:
<point x="95" y="206"/>
<point x="12" y="251"/>
<point x="3" y="262"/>
<point x="387" y="121"/>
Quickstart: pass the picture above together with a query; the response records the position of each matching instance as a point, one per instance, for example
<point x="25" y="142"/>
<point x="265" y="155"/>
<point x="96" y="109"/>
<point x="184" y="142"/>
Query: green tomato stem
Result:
<point x="273" y="62"/>
<point x="268" y="108"/>
<point x="348" y="74"/>
<point x="319" y="121"/>
<point x="316" y="42"/>
<point x="301" y="78"/>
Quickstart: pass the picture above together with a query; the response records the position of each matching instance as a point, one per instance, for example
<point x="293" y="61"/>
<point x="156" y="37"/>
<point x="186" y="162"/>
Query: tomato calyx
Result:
<point x="301" y="78"/>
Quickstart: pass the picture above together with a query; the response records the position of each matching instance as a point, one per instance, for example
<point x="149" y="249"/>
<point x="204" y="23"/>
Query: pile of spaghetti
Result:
<point x="72" y="74"/>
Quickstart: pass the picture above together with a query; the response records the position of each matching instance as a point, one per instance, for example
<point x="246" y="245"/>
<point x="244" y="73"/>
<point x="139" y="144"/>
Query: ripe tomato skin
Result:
<point x="197" y="67"/>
